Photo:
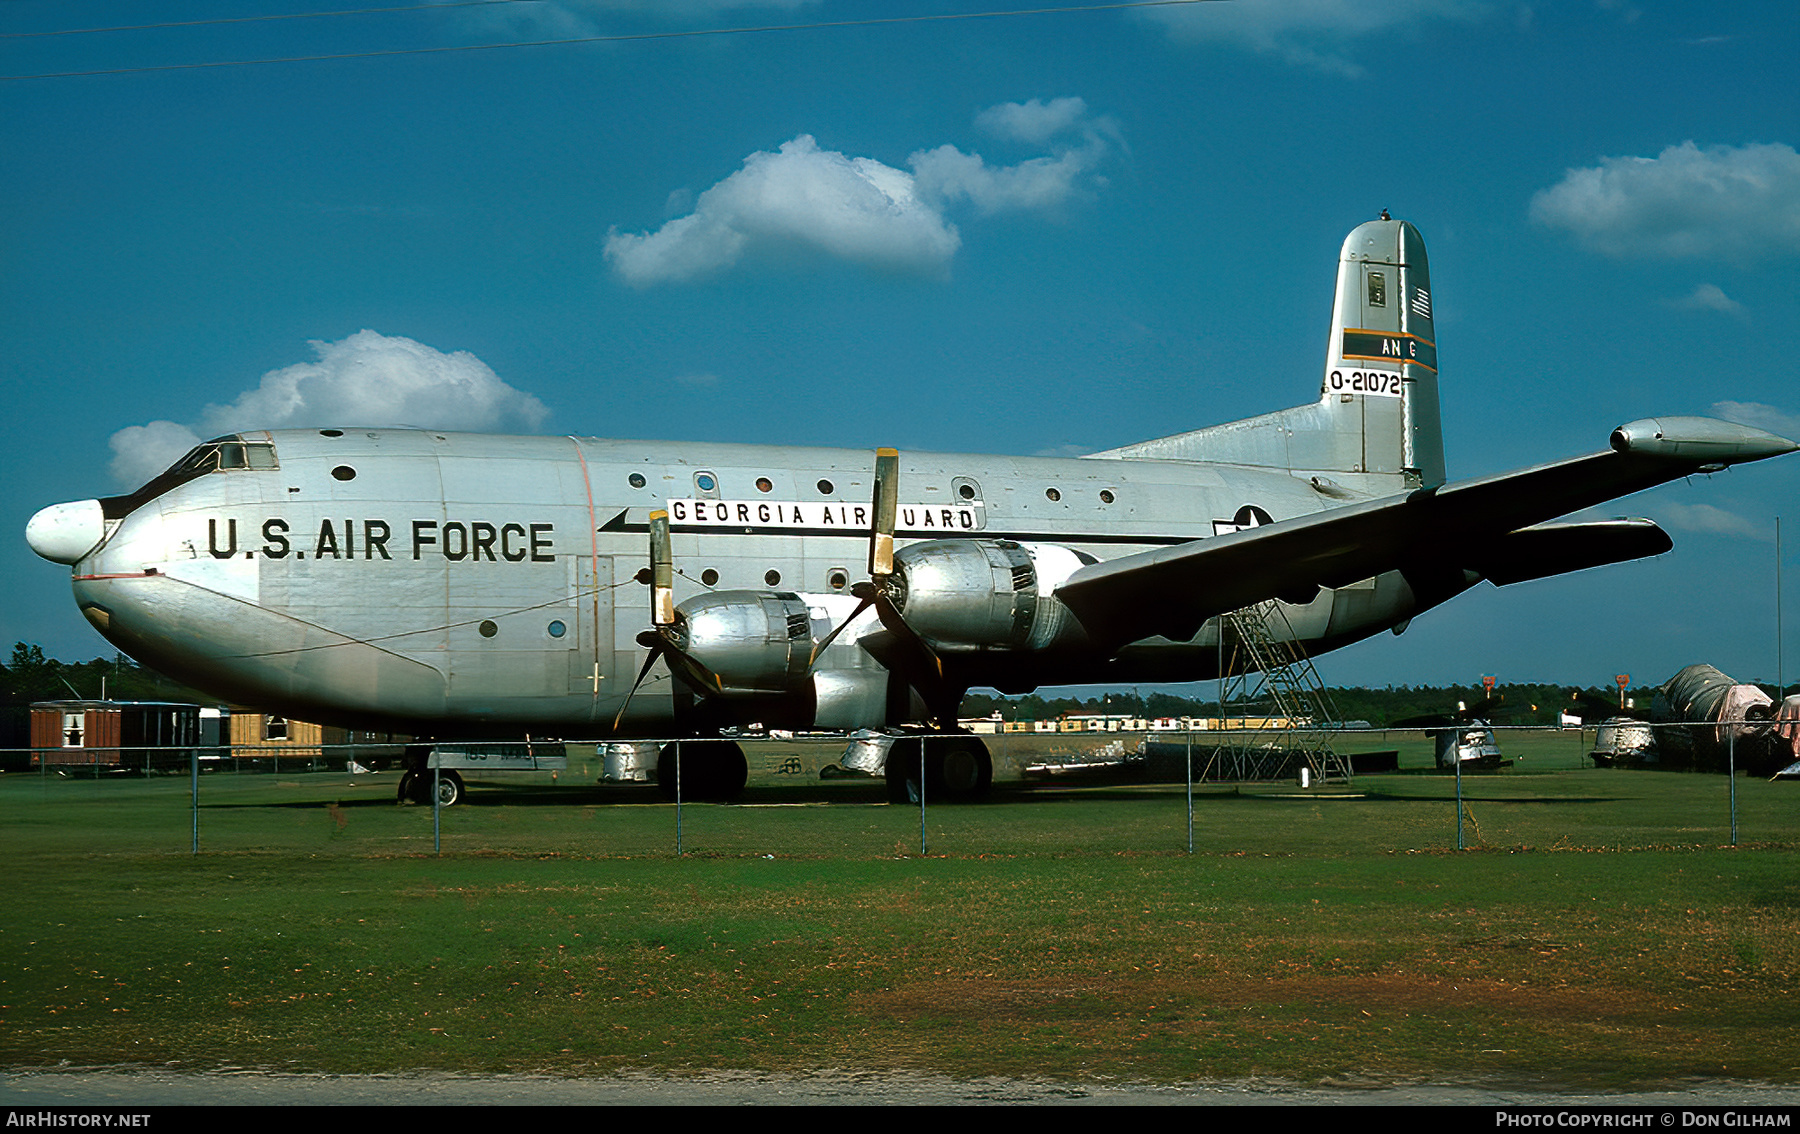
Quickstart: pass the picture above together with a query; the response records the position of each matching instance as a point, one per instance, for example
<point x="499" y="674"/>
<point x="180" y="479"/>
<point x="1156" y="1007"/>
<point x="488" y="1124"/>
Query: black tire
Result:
<point x="405" y="794"/>
<point x="449" y="788"/>
<point x="902" y="771"/>
<point x="710" y="771"/>
<point x="962" y="770"/>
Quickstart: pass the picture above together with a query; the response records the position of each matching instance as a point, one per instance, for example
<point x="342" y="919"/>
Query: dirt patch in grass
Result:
<point x="1388" y="1027"/>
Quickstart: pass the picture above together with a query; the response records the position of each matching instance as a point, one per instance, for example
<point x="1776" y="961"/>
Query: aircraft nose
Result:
<point x="63" y="533"/>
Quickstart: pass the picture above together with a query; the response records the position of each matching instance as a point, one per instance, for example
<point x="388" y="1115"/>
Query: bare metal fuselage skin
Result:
<point x="462" y="582"/>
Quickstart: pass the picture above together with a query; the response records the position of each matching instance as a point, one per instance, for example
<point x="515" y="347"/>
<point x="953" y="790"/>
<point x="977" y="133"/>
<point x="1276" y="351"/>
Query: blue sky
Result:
<point x="1051" y="233"/>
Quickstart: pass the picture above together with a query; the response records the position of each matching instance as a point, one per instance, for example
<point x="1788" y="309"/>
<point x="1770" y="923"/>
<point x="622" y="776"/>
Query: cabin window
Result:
<point x="557" y="629"/>
<point x="488" y="628"/>
<point x="838" y="578"/>
<point x="1106" y="496"/>
<point x="343" y="472"/>
<point x="636" y="479"/>
<point x="73" y="724"/>
<point x="763" y="484"/>
<point x="772" y="578"/>
<point x="709" y="577"/>
<point x="826" y="488"/>
<point x="706" y="485"/>
<point x="275" y="728"/>
<point x="1052" y="495"/>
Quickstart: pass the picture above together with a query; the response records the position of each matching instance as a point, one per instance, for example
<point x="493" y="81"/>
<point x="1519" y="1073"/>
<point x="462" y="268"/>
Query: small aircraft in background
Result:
<point x="464" y="586"/>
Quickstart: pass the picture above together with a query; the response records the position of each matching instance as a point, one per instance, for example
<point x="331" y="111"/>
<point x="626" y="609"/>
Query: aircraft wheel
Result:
<point x="710" y="771"/>
<point x="902" y="771"/>
<point x="449" y="788"/>
<point x="731" y="771"/>
<point x="963" y="768"/>
<point x="404" y="795"/>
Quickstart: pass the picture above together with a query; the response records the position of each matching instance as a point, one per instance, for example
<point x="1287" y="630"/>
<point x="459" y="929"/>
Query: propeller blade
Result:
<point x="662" y="571"/>
<point x="886" y="502"/>
<point x="867" y="594"/>
<point x="656" y="651"/>
<point x="896" y="625"/>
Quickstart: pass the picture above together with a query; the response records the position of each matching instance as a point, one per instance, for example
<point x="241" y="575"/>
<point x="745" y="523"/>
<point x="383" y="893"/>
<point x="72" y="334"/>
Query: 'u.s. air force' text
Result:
<point x="456" y="540"/>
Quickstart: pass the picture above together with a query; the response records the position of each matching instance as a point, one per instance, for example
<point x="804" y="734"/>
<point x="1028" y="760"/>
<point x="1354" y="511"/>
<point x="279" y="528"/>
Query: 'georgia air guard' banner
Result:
<point x="819" y="515"/>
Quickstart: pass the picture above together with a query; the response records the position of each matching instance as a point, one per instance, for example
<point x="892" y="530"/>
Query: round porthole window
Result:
<point x="826" y="488"/>
<point x="344" y="472"/>
<point x="637" y="479"/>
<point x="557" y="629"/>
<point x="773" y="578"/>
<point x="764" y="484"/>
<point x="709" y="577"/>
<point x="1106" y="496"/>
<point x="705" y="482"/>
<point x="1052" y="494"/>
<point x="488" y="628"/>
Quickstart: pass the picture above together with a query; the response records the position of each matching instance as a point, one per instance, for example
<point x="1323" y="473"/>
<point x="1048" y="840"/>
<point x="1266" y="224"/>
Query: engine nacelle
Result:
<point x="984" y="594"/>
<point x="759" y="645"/>
<point x="753" y="641"/>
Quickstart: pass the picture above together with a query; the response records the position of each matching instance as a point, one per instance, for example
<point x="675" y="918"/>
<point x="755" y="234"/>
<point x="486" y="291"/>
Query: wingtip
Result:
<point x="1699" y="438"/>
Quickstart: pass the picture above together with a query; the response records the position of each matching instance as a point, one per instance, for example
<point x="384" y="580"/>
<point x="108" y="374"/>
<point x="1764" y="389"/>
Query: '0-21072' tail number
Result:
<point x="1384" y="383"/>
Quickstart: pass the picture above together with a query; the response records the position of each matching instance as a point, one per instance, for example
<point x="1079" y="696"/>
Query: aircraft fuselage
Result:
<point x="425" y="580"/>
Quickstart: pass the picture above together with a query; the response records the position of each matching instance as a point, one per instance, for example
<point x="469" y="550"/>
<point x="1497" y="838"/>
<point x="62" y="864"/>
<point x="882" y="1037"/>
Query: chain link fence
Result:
<point x="1052" y="793"/>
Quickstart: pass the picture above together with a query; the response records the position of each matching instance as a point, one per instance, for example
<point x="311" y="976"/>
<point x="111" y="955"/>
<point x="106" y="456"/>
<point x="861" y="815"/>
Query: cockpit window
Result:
<point x="231" y="453"/>
<point x="224" y="454"/>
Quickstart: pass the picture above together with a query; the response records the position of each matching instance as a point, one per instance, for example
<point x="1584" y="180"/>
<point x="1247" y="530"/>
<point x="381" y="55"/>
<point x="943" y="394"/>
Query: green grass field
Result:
<point x="1600" y="933"/>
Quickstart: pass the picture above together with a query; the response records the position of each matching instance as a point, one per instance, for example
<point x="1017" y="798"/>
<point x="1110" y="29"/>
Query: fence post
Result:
<point x="1731" y="773"/>
<point x="1190" y="791"/>
<point x="924" y="847"/>
<point x="437" y="811"/>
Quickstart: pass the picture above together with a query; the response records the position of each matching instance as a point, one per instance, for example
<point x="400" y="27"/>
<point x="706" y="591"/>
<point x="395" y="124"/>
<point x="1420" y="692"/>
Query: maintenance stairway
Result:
<point x="1269" y="669"/>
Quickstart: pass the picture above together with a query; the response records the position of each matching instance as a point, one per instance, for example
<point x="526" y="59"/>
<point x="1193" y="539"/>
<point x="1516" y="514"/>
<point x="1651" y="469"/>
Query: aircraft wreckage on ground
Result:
<point x="460" y="586"/>
<point x="1703" y="720"/>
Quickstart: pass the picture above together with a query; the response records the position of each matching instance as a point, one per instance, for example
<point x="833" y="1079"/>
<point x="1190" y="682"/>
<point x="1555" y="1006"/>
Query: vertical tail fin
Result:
<point x="1377" y="411"/>
<point x="1381" y="364"/>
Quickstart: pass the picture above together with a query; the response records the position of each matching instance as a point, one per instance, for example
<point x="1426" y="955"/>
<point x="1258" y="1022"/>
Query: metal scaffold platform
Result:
<point x="1273" y="689"/>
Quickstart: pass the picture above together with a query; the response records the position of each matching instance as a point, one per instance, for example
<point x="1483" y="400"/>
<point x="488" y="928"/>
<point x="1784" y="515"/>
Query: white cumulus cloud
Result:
<point x="1708" y="297"/>
<point x="802" y="197"/>
<point x="1321" y="34"/>
<point x="1737" y="203"/>
<point x="142" y="451"/>
<point x="1034" y="122"/>
<point x="1717" y="521"/>
<point x="852" y="208"/>
<point x="368" y="379"/>
<point x="1777" y="421"/>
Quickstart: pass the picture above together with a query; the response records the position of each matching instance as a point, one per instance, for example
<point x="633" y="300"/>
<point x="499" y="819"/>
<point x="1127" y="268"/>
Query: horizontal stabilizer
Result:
<point x="1172" y="591"/>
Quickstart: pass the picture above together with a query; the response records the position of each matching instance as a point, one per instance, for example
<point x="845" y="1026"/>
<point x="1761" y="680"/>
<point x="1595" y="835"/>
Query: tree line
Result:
<point x="30" y="676"/>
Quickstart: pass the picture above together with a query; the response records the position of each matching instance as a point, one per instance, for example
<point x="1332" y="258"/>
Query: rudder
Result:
<point x="1380" y="381"/>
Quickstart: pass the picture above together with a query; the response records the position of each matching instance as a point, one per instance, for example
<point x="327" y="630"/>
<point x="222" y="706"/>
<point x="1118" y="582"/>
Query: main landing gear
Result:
<point x="415" y="787"/>
<point x="710" y="771"/>
<point x="954" y="769"/>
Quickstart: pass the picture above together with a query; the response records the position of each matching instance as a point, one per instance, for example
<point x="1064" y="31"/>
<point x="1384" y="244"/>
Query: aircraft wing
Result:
<point x="1486" y="526"/>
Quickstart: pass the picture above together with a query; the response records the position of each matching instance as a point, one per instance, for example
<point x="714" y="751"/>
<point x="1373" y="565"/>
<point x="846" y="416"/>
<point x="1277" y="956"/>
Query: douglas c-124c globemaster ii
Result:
<point x="465" y="586"/>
